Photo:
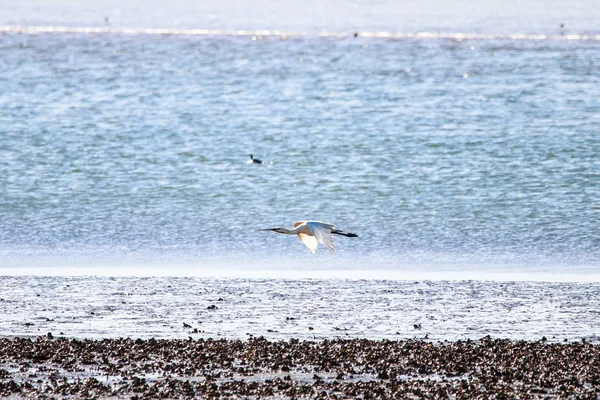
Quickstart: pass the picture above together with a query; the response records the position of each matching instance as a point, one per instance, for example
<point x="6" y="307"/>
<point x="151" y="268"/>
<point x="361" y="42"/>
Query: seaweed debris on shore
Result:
<point x="258" y="368"/>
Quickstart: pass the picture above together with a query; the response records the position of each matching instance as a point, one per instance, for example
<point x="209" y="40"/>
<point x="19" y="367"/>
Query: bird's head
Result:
<point x="278" y="230"/>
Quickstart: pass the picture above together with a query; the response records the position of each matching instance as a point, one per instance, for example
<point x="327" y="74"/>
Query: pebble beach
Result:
<point x="258" y="368"/>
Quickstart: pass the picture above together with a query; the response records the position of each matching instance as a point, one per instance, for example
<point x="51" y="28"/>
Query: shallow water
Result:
<point x="102" y="307"/>
<point x="459" y="141"/>
<point x="129" y="150"/>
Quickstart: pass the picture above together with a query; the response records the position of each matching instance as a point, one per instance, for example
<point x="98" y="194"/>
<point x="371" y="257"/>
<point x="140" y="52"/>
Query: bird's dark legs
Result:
<point x="342" y="233"/>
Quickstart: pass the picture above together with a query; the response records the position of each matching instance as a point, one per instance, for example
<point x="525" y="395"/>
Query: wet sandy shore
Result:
<point x="306" y="309"/>
<point x="258" y="368"/>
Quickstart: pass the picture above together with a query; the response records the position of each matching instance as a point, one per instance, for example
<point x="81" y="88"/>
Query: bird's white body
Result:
<point x="311" y="233"/>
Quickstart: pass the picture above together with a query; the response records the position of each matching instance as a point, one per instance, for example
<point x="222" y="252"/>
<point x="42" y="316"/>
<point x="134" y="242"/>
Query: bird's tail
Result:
<point x="347" y="234"/>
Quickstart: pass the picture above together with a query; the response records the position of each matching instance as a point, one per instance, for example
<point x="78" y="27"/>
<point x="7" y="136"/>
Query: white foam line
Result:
<point x="288" y="34"/>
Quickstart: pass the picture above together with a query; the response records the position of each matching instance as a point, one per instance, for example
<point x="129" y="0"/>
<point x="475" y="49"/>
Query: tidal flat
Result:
<point x="48" y="367"/>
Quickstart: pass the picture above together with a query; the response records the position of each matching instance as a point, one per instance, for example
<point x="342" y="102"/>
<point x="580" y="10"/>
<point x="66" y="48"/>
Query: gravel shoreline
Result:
<point x="48" y="367"/>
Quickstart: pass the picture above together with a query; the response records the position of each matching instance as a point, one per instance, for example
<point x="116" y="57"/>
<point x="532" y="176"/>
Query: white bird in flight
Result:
<point x="311" y="233"/>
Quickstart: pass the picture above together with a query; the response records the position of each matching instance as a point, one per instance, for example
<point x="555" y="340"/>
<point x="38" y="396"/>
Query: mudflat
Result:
<point x="260" y="368"/>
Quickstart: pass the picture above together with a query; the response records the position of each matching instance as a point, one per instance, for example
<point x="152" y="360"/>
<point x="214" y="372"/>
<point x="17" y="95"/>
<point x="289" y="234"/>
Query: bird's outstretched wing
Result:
<point x="309" y="241"/>
<point x="298" y="223"/>
<point x="322" y="232"/>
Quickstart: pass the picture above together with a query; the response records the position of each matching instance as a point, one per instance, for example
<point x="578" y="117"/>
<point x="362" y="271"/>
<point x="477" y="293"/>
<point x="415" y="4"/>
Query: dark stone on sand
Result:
<point x="210" y="368"/>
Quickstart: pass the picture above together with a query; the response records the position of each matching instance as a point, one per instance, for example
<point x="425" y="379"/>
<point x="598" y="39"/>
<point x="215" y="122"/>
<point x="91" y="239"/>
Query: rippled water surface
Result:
<point x="132" y="149"/>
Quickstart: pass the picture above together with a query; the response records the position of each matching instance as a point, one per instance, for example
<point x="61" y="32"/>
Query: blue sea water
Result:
<point x="130" y="150"/>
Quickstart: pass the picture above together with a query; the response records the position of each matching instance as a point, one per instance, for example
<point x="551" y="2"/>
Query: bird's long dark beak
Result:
<point x="266" y="229"/>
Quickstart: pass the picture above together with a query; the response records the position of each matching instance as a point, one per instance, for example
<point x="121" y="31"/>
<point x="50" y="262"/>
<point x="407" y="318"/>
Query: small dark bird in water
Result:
<point x="253" y="160"/>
